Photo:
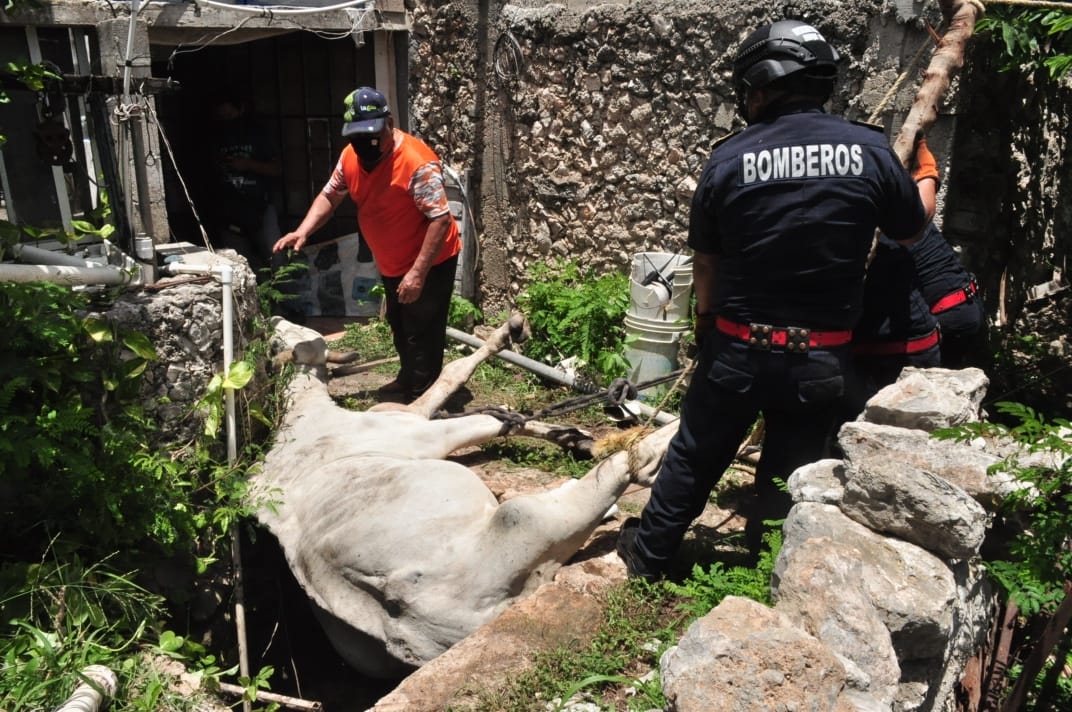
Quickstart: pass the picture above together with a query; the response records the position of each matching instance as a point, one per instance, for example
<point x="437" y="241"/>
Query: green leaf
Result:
<point x="239" y="375"/>
<point x="98" y="329"/>
<point x="139" y="343"/>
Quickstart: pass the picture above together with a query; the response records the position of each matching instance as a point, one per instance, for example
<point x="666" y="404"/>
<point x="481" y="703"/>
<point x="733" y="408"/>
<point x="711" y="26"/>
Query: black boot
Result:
<point x="629" y="551"/>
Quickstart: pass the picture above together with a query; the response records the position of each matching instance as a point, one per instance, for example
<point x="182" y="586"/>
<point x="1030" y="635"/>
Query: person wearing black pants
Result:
<point x="396" y="180"/>
<point x="419" y="329"/>
<point x="781" y="224"/>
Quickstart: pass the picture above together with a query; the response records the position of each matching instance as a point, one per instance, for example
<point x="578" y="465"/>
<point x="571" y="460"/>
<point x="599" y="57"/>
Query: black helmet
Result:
<point x="783" y="49"/>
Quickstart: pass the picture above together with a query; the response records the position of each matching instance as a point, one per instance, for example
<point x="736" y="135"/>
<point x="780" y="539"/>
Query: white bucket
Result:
<point x="655" y="274"/>
<point x="652" y="351"/>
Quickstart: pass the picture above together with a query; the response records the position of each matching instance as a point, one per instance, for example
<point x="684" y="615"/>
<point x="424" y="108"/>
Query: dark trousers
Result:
<point x="419" y="329"/>
<point x="962" y="334"/>
<point x="799" y="396"/>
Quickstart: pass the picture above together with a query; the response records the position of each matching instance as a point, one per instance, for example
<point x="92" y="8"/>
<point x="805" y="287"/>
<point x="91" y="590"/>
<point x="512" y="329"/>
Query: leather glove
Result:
<point x="704" y="325"/>
<point x="924" y="163"/>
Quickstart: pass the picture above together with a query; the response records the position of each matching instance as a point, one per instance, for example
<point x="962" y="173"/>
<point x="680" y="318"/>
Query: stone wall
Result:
<point x="183" y="318"/>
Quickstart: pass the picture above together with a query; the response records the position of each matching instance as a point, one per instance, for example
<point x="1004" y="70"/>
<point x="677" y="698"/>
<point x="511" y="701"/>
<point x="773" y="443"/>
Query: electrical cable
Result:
<point x="200" y="43"/>
<point x="509" y="59"/>
<point x="270" y="10"/>
<point x="178" y="173"/>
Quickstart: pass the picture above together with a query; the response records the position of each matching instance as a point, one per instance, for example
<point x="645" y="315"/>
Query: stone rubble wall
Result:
<point x="183" y="318"/>
<point x="879" y="568"/>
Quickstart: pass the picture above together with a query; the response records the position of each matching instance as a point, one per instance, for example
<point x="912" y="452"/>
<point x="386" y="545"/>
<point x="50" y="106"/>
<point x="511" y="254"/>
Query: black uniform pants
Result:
<point x="419" y="329"/>
<point x="962" y="336"/>
<point x="799" y="396"/>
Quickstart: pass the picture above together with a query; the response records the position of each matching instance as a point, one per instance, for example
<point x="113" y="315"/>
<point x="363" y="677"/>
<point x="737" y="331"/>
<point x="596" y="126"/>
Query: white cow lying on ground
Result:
<point x="403" y="552"/>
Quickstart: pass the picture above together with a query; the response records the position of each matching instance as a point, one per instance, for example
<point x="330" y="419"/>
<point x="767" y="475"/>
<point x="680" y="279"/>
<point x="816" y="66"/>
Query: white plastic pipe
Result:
<point x="224" y="273"/>
<point x="63" y="274"/>
<point x="128" y="57"/>
<point x="89" y="697"/>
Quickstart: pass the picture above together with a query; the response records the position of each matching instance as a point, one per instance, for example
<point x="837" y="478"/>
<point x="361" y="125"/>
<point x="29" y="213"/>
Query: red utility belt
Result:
<point x="912" y="346"/>
<point x="952" y="299"/>
<point x="792" y="338"/>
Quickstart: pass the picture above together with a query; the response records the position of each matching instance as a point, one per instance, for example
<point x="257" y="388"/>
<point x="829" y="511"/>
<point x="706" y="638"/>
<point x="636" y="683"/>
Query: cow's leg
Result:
<point x="551" y="526"/>
<point x="457" y="372"/>
<point x="407" y="433"/>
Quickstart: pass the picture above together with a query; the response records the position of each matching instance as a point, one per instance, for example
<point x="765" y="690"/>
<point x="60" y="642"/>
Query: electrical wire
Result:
<point x="509" y="59"/>
<point x="201" y="43"/>
<point x="270" y="10"/>
<point x="178" y="173"/>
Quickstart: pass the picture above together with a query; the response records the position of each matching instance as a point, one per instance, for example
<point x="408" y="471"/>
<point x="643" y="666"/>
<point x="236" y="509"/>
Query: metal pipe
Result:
<point x="553" y="374"/>
<point x="63" y="274"/>
<point x="39" y="256"/>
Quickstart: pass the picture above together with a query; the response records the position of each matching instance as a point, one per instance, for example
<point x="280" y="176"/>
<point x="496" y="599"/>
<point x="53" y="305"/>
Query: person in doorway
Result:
<point x="950" y="290"/>
<point x="781" y="224"/>
<point x="246" y="164"/>
<point x="397" y="182"/>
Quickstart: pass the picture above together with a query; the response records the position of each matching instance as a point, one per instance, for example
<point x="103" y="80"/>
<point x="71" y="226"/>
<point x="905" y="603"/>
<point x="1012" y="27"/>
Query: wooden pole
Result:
<point x="293" y="703"/>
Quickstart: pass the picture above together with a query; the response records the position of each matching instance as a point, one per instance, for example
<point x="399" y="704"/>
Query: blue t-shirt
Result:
<point x="790" y="205"/>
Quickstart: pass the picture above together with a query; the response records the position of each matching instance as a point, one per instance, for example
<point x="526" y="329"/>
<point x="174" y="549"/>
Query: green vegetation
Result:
<point x="88" y="498"/>
<point x="538" y="454"/>
<point x="1033" y="568"/>
<point x="1036" y="568"/>
<point x="1031" y="39"/>
<point x="704" y="590"/>
<point x="640" y="621"/>
<point x="575" y="312"/>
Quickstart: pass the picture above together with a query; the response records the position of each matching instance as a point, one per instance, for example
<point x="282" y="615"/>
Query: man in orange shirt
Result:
<point x="396" y="180"/>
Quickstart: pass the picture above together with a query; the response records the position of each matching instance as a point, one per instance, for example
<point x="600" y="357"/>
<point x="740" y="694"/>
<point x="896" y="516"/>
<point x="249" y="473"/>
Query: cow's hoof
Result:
<point x="519" y="328"/>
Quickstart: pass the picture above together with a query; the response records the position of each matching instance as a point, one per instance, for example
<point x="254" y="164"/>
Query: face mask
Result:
<point x="367" y="150"/>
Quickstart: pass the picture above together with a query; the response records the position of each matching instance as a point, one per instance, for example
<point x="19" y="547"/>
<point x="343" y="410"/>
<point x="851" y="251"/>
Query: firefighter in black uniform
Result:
<point x="949" y="289"/>
<point x="781" y="224"/>
<point x="896" y="329"/>
<point x="953" y="296"/>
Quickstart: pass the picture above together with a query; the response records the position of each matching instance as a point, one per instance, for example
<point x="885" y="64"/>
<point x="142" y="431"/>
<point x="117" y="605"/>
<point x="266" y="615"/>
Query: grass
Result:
<point x="617" y="668"/>
<point x="640" y="621"/>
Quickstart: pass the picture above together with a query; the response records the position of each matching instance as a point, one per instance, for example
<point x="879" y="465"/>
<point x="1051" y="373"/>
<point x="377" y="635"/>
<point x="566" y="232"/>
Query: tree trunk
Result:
<point x="948" y="58"/>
